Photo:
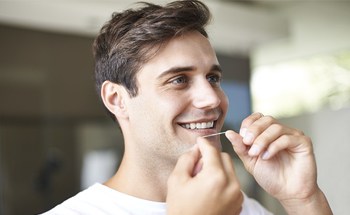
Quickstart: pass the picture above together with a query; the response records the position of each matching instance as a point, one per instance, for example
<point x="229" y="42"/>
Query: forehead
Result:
<point x="191" y="49"/>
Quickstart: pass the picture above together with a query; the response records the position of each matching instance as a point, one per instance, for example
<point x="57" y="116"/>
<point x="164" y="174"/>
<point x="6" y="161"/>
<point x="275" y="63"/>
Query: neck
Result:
<point x="142" y="177"/>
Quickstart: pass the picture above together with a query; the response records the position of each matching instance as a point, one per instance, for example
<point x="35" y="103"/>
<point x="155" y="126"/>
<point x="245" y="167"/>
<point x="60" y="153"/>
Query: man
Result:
<point x="159" y="78"/>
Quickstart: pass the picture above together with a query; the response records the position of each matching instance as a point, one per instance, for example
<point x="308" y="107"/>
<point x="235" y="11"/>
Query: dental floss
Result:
<point x="210" y="135"/>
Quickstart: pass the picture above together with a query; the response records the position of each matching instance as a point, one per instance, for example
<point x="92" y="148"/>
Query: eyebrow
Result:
<point x="175" y="70"/>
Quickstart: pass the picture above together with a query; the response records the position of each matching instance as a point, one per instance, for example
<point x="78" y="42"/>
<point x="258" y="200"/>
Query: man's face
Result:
<point x="179" y="98"/>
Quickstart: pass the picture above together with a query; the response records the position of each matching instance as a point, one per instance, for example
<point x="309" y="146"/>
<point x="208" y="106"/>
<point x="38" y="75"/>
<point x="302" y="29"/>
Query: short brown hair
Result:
<point x="132" y="37"/>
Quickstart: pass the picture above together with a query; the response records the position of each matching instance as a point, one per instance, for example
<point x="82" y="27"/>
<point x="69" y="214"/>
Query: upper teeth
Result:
<point x="199" y="125"/>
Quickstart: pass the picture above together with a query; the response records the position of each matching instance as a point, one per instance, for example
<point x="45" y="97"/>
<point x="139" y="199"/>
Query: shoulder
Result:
<point x="93" y="200"/>
<point x="100" y="199"/>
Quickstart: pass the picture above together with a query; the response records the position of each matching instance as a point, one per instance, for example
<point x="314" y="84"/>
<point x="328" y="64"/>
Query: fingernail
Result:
<point x="248" y="138"/>
<point x="242" y="132"/>
<point x="266" y="155"/>
<point x="254" y="150"/>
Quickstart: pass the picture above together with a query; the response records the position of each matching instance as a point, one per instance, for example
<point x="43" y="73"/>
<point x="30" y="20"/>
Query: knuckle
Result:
<point x="254" y="129"/>
<point x="258" y="113"/>
<point x="269" y="119"/>
<point x="278" y="128"/>
<point x="307" y="140"/>
<point x="251" y="119"/>
<point x="285" y="139"/>
<point x="247" y="122"/>
<point x="220" y="179"/>
<point x="298" y="132"/>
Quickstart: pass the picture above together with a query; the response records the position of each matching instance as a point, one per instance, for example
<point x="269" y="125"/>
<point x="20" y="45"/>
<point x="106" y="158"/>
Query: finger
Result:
<point x="236" y="141"/>
<point x="256" y="128"/>
<point x="186" y="164"/>
<point x="238" y="146"/>
<point x="295" y="144"/>
<point x="210" y="154"/>
<point x="228" y="166"/>
<point x="241" y="149"/>
<point x="248" y="121"/>
<point x="267" y="136"/>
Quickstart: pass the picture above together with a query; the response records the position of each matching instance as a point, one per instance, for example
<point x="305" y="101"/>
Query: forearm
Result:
<point x="316" y="204"/>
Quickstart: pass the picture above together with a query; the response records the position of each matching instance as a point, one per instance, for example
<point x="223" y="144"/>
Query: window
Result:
<point x="298" y="86"/>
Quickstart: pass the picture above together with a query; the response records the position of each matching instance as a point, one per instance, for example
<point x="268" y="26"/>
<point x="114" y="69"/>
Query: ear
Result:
<point x="113" y="98"/>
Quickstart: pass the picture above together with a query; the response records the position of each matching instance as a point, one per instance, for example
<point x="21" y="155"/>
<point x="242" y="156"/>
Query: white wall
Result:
<point x="330" y="132"/>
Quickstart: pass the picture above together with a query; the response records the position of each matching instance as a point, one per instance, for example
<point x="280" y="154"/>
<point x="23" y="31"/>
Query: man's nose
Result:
<point x="206" y="96"/>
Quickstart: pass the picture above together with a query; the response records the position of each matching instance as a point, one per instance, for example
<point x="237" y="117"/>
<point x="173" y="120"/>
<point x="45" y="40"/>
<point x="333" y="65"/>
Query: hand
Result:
<point x="281" y="159"/>
<point x="204" y="182"/>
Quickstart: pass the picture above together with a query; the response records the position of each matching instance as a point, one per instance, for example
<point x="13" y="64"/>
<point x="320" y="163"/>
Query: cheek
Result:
<point x="139" y="109"/>
<point x="224" y="102"/>
<point x="171" y="105"/>
<point x="156" y="107"/>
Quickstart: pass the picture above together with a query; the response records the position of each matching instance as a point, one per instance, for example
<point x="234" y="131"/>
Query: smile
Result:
<point x="198" y="125"/>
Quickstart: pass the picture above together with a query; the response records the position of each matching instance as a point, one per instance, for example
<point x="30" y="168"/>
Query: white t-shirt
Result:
<point x="99" y="199"/>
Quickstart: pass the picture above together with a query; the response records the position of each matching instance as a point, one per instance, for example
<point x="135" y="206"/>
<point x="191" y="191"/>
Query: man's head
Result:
<point x="166" y="91"/>
<point x="134" y="36"/>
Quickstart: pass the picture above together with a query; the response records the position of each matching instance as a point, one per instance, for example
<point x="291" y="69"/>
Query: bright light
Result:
<point x="304" y="85"/>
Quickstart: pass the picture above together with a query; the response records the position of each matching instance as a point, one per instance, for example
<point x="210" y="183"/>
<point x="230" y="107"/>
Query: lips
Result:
<point x="198" y="125"/>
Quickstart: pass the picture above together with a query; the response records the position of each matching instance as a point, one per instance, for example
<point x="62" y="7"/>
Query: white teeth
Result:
<point x="210" y="124"/>
<point x="199" y="125"/>
<point x="193" y="125"/>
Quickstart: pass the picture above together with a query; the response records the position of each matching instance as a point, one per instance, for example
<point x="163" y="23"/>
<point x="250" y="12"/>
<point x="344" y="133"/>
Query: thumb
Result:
<point x="210" y="154"/>
<point x="186" y="164"/>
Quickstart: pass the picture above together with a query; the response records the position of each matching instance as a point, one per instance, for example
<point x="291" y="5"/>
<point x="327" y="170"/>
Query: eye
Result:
<point x="179" y="80"/>
<point x="214" y="78"/>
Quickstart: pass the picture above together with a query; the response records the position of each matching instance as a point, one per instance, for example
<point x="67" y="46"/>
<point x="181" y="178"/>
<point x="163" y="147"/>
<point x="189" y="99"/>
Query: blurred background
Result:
<point x="289" y="59"/>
